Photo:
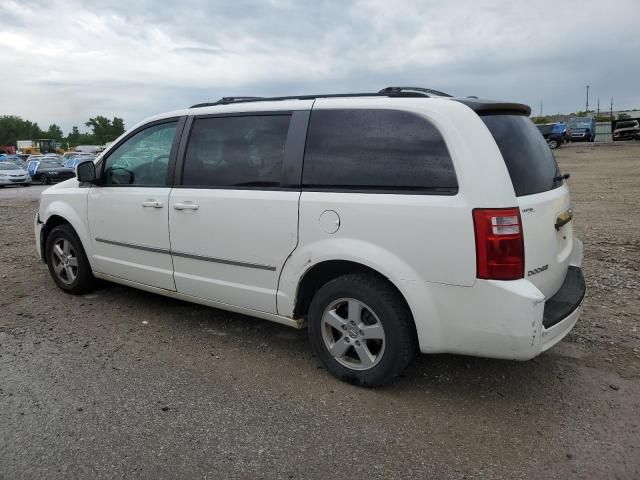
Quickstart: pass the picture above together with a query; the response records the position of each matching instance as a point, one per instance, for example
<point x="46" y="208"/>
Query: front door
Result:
<point x="233" y="218"/>
<point x="128" y="209"/>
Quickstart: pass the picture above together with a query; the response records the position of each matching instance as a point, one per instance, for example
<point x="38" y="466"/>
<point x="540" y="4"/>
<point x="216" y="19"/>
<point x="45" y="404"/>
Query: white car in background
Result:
<point x="386" y="222"/>
<point x="12" y="174"/>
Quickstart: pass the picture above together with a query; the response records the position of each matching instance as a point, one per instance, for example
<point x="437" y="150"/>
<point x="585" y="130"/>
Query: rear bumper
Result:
<point x="552" y="335"/>
<point x="566" y="300"/>
<point x="499" y="319"/>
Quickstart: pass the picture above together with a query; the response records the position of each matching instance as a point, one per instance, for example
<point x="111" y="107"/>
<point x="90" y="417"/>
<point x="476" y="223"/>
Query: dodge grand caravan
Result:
<point x="386" y="222"/>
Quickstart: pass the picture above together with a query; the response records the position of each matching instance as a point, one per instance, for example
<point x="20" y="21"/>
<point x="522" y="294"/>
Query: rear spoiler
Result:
<point x="494" y="107"/>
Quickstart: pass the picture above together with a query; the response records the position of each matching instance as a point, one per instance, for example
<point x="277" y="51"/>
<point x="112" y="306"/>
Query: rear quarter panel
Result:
<point x="415" y="238"/>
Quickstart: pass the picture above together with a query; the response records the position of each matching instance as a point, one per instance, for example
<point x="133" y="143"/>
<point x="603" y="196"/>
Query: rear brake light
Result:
<point x="499" y="243"/>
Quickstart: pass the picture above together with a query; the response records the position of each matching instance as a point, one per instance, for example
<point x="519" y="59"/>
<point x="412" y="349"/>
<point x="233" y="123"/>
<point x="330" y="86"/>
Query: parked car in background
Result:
<point x="419" y="222"/>
<point x="68" y="155"/>
<point x="48" y="171"/>
<point x="554" y="133"/>
<point x="582" y="129"/>
<point x="12" y="174"/>
<point x="627" y="130"/>
<point x="16" y="159"/>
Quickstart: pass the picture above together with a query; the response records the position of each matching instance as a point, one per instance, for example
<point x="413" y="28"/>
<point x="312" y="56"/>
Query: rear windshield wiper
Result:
<point x="560" y="178"/>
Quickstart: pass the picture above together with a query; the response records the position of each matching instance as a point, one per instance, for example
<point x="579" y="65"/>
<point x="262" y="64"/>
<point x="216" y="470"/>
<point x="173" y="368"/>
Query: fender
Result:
<point x="72" y="208"/>
<point x="416" y="292"/>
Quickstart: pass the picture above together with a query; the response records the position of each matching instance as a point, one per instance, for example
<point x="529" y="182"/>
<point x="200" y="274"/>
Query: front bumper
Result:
<point x="14" y="180"/>
<point x="37" y="228"/>
<point x="632" y="135"/>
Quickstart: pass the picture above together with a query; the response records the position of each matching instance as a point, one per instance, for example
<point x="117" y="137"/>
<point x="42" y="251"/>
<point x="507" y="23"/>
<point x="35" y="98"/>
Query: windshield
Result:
<point x="8" y="166"/>
<point x="529" y="160"/>
<point x="627" y="124"/>
<point x="580" y="123"/>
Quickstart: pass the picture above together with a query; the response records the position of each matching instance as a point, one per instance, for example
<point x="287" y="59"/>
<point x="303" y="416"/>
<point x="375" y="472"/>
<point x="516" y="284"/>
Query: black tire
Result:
<point x="553" y="144"/>
<point x="45" y="180"/>
<point x="84" y="280"/>
<point x="385" y="302"/>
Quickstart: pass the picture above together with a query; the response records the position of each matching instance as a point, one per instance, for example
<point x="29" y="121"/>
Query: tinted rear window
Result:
<point x="529" y="160"/>
<point x="376" y="151"/>
<point x="626" y="124"/>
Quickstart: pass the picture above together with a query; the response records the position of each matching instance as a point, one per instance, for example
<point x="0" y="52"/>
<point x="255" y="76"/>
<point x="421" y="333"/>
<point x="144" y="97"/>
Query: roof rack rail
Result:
<point x="385" y="92"/>
<point x="412" y="92"/>
<point x="226" y="100"/>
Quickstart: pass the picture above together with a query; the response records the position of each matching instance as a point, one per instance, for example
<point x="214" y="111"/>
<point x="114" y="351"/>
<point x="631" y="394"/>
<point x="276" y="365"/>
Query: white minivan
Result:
<point x="386" y="222"/>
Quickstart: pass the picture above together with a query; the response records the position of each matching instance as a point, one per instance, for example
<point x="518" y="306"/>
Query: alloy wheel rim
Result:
<point x="65" y="261"/>
<point x="353" y="334"/>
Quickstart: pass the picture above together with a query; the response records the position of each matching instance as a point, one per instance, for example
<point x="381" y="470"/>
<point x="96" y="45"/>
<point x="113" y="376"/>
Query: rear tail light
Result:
<point x="499" y="243"/>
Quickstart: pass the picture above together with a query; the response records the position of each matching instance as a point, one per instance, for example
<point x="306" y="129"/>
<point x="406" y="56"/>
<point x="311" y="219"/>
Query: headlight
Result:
<point x="3" y="174"/>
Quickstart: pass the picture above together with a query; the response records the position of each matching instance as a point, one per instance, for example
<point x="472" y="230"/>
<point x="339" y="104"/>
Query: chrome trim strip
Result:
<point x="223" y="261"/>
<point x="132" y="245"/>
<point x="188" y="255"/>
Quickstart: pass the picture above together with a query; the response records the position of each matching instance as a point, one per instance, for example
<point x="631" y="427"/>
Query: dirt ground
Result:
<point x="122" y="383"/>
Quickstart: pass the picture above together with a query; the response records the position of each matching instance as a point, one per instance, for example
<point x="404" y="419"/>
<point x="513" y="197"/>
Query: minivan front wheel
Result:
<point x="67" y="261"/>
<point x="553" y="144"/>
<point x="361" y="329"/>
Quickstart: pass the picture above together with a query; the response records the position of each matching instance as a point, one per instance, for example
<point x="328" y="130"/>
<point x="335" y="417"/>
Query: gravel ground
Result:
<point x="122" y="383"/>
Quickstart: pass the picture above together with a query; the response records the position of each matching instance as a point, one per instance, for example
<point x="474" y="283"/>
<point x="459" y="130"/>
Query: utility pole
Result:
<point x="598" y="114"/>
<point x="611" y="110"/>
<point x="587" y="107"/>
<point x="540" y="107"/>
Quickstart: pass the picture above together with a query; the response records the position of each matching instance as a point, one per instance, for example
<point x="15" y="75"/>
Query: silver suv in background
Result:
<point x="627" y="130"/>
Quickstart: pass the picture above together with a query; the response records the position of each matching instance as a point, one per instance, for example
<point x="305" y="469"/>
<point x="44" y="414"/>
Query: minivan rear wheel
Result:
<point x="361" y="329"/>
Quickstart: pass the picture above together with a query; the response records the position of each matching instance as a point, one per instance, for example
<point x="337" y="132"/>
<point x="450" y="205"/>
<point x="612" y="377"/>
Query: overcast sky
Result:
<point x="65" y="61"/>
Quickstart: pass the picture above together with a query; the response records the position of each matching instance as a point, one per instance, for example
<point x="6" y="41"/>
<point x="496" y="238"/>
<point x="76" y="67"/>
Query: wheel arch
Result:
<point x="59" y="213"/>
<point x="325" y="271"/>
<point x="52" y="222"/>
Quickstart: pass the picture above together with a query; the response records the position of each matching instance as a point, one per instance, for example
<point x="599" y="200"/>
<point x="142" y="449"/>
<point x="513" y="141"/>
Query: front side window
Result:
<point x="376" y="150"/>
<point x="143" y="159"/>
<point x="246" y="151"/>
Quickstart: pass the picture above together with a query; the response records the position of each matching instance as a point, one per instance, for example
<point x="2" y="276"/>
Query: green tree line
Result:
<point x="103" y="130"/>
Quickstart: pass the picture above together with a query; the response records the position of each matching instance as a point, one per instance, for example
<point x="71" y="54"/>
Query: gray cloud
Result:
<point x="134" y="59"/>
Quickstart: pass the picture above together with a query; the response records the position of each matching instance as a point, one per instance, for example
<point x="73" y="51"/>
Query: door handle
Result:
<point x="564" y="218"/>
<point x="152" y="203"/>
<point x="186" y="206"/>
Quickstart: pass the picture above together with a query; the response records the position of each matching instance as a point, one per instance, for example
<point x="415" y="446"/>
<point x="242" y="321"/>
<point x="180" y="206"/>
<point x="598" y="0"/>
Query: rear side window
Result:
<point x="245" y="151"/>
<point x="376" y="150"/>
<point x="529" y="160"/>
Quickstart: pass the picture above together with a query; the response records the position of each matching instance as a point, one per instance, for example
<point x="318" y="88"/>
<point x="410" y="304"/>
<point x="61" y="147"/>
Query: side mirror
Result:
<point x="86" y="172"/>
